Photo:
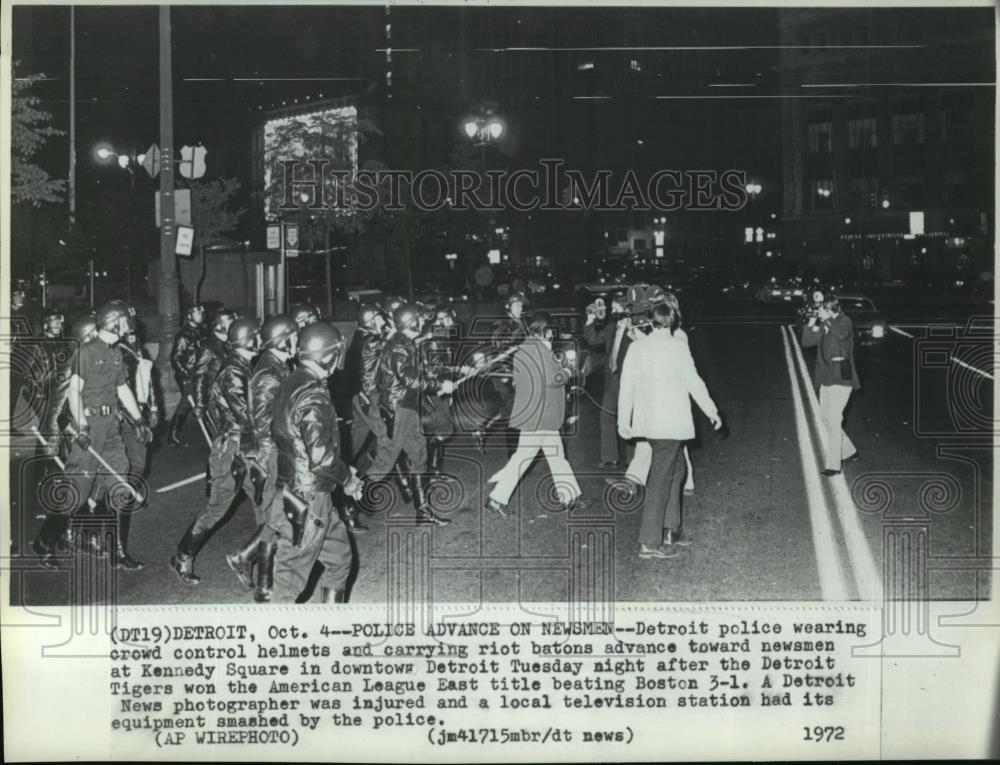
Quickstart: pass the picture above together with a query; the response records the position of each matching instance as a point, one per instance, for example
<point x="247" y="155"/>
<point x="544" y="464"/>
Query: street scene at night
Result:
<point x="586" y="304"/>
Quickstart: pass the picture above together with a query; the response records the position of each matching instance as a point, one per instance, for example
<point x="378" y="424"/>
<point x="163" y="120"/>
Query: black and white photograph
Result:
<point x="730" y="271"/>
<point x="494" y="381"/>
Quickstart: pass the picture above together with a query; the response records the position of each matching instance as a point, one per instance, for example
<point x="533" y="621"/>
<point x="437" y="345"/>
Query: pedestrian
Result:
<point x="183" y="358"/>
<point x="538" y="413"/>
<point x="310" y="468"/>
<point x="402" y="380"/>
<point x="658" y="380"/>
<point x="831" y="331"/>
<point x="614" y="336"/>
<point x="228" y="411"/>
<point x="279" y="337"/>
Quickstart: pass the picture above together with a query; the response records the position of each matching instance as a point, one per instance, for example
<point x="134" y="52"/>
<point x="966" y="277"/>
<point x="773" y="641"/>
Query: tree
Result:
<point x="212" y="215"/>
<point x="29" y="130"/>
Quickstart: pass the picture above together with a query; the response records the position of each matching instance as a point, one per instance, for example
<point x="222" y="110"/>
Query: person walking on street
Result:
<point x="538" y="412"/>
<point x="832" y="333"/>
<point x="183" y="357"/>
<point x="310" y="469"/>
<point x="658" y="381"/>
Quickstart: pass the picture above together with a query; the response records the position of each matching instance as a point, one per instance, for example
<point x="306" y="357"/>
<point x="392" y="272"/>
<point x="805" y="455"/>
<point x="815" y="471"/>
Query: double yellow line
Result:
<point x="827" y="496"/>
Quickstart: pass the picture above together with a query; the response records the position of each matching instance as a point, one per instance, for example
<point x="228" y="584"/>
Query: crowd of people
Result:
<point x="305" y="426"/>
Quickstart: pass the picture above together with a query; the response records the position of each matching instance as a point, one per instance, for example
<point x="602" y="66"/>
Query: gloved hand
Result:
<point x="447" y="387"/>
<point x="354" y="487"/>
<point x="83" y="439"/>
<point x="142" y="432"/>
<point x="153" y="418"/>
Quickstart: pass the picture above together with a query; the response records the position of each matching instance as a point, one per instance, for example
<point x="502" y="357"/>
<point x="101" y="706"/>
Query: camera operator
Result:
<point x="614" y="335"/>
<point x="832" y="332"/>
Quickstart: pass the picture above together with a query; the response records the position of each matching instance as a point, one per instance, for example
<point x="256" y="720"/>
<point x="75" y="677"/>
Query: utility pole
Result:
<point x="72" y="116"/>
<point x="169" y="299"/>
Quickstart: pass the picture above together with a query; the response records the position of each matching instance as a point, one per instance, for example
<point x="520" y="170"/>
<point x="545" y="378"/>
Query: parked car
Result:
<point x="781" y="291"/>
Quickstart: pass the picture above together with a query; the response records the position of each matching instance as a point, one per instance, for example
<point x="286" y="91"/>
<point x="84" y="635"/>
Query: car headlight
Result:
<point x="555" y="286"/>
<point x="878" y="331"/>
<point x="775" y="293"/>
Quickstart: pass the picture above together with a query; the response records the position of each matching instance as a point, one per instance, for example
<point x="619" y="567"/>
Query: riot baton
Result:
<point x="111" y="471"/>
<point x="201" y="423"/>
<point x="43" y="442"/>
<point x="488" y="364"/>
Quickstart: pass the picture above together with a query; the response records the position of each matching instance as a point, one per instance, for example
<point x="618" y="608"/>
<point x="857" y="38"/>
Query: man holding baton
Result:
<point x="98" y="385"/>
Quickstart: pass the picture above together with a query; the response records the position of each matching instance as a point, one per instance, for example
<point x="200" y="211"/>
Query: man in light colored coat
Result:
<point x="538" y="412"/>
<point x="658" y="380"/>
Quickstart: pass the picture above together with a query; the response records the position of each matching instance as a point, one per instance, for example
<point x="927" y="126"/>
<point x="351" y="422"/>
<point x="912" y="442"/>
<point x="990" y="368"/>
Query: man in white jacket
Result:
<point x="658" y="380"/>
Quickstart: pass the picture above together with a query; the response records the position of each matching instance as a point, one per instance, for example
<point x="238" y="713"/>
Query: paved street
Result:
<point x="765" y="524"/>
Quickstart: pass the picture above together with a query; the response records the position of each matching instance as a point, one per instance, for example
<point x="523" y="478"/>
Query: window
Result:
<point x="861" y="133"/>
<point x="907" y="129"/>
<point x="638" y="244"/>
<point x="864" y="192"/>
<point x="820" y="137"/>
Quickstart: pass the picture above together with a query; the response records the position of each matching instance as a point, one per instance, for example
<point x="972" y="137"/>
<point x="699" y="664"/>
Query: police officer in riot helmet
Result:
<point x="98" y="392"/>
<point x="279" y="343"/>
<point x="402" y="380"/>
<point x="183" y="360"/>
<point x="211" y="352"/>
<point x="310" y="467"/>
<point x="228" y="413"/>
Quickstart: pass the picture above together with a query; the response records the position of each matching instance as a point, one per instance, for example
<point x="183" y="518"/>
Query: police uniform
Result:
<point x="183" y="360"/>
<point x="228" y="414"/>
<point x="141" y="383"/>
<point x="309" y="466"/>
<point x="437" y="358"/>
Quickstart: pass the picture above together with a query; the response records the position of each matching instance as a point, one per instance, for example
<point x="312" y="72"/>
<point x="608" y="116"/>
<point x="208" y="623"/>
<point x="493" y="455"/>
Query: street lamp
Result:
<point x="484" y="129"/>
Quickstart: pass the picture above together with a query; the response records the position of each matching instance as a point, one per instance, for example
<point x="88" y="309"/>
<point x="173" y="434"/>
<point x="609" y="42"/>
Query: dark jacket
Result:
<point x="268" y="373"/>
<point x="833" y="339"/>
<point x="51" y="369"/>
<point x="184" y="354"/>
<point x="401" y="378"/>
<point x="307" y="436"/>
<point x="539" y="388"/>
<point x="361" y="361"/>
<point x="227" y="404"/>
<point x="211" y="353"/>
<point x="602" y="335"/>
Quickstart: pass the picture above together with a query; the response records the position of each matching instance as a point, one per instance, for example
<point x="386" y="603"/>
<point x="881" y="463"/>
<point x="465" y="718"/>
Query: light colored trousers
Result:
<point x="638" y="468"/>
<point x="528" y="444"/>
<point x="832" y="401"/>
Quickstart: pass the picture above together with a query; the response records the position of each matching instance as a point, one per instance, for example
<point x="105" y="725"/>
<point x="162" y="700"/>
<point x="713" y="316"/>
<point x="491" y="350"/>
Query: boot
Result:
<point x="52" y="539"/>
<point x="404" y="487"/>
<point x="182" y="561"/>
<point x="352" y="516"/>
<point x="176" y="425"/>
<point x="241" y="561"/>
<point x="330" y="595"/>
<point x="122" y="559"/>
<point x="425" y="513"/>
<point x="265" y="569"/>
<point x="46" y="553"/>
<point x="433" y="464"/>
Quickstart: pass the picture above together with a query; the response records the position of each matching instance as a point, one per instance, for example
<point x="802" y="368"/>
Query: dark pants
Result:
<point x="363" y="426"/>
<point x="222" y="484"/>
<point x="406" y="438"/>
<point x="324" y="541"/>
<point x="135" y="452"/>
<point x="184" y="406"/>
<point x="609" y="419"/>
<point x="87" y="475"/>
<point x="436" y="417"/>
<point x="662" y="506"/>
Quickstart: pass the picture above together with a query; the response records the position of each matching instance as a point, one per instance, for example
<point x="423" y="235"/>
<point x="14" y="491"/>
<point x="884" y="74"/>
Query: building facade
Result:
<point x="888" y="141"/>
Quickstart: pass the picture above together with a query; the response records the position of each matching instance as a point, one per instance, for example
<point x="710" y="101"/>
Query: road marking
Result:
<point x="831" y="576"/>
<point x="971" y="368"/>
<point x="866" y="573"/>
<point x="899" y="331"/>
<point x="179" y="484"/>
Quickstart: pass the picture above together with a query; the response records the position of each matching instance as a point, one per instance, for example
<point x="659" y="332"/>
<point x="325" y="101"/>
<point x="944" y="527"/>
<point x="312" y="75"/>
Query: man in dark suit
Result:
<point x="614" y="336"/>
